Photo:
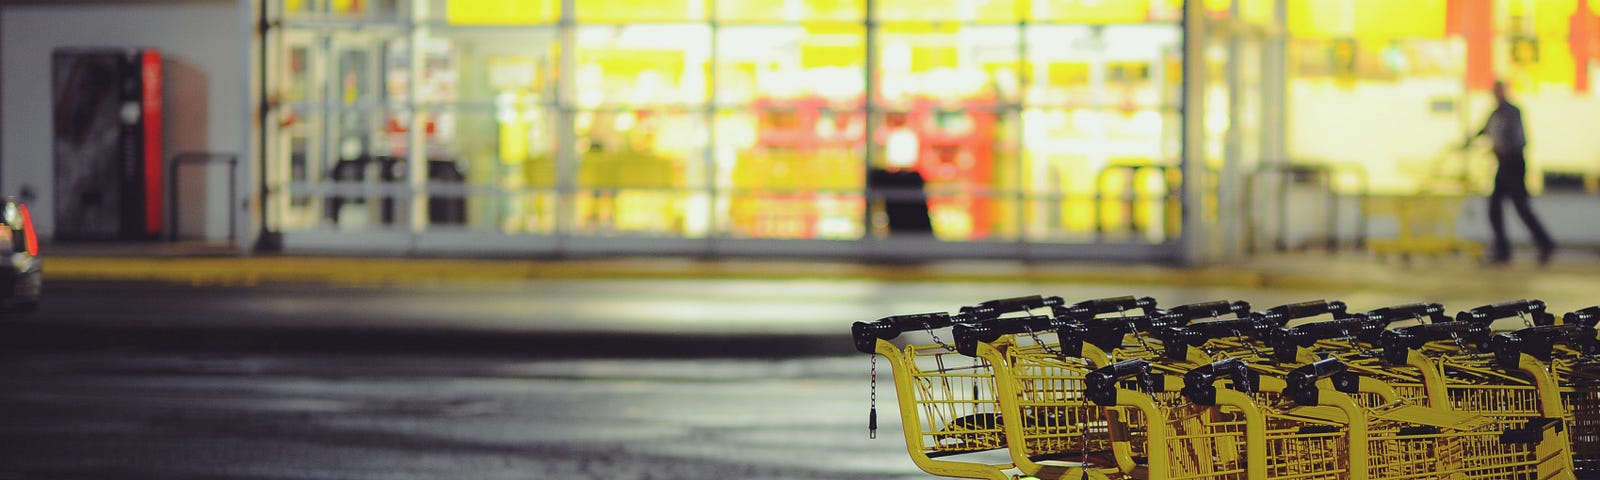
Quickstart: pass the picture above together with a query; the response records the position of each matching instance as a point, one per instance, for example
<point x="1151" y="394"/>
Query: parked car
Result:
<point x="21" y="270"/>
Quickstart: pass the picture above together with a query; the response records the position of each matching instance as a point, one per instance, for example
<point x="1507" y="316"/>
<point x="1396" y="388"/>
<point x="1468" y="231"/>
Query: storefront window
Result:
<point x="784" y="11"/>
<point x="1100" y="12"/>
<point x="640" y="12"/>
<point x="338" y="103"/>
<point x="1025" y="120"/>
<point x="496" y="12"/>
<point x="641" y="172"/>
<point x="1102" y="105"/>
<point x="344" y="10"/>
<point x="944" y="91"/>
<point x="790" y="131"/>
<point x="1428" y="66"/>
<point x="642" y="65"/>
<point x="958" y="11"/>
<point x="488" y="128"/>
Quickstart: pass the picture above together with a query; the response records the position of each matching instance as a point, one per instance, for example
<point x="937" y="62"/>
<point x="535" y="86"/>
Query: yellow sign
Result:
<point x="502" y="12"/>
<point x="1367" y="19"/>
<point x="1091" y="11"/>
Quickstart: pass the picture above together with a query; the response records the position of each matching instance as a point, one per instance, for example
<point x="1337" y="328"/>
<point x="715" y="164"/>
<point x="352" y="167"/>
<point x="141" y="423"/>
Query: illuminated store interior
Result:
<point x="1076" y="127"/>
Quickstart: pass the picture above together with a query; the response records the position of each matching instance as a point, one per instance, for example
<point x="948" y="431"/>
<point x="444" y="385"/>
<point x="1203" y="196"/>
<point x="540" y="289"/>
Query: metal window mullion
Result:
<point x="329" y="118"/>
<point x="416" y="140"/>
<point x="869" y="108"/>
<point x="566" y="135"/>
<point x="1233" y="144"/>
<point x="1192" y="132"/>
<point x="1021" y="163"/>
<point x="710" y="151"/>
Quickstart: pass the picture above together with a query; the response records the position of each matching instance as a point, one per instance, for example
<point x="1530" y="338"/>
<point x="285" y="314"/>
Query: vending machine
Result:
<point x="106" y="107"/>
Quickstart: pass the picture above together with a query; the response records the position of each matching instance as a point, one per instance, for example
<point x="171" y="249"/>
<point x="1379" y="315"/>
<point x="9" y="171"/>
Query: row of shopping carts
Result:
<point x="1119" y="388"/>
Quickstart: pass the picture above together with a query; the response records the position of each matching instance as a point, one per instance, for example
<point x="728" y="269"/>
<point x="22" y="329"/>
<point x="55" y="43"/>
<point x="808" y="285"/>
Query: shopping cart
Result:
<point x="1245" y="337"/>
<point x="1039" y="363"/>
<point x="1425" y="219"/>
<point x="946" y="401"/>
<point x="1522" y="397"/>
<point x="1110" y="338"/>
<point x="1186" y="439"/>
<point x="1408" y="441"/>
<point x="1578" y="372"/>
<point x="1563" y="355"/>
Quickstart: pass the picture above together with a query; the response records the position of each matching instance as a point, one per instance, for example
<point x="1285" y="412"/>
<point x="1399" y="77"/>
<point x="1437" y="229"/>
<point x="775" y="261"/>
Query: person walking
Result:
<point x="1504" y="129"/>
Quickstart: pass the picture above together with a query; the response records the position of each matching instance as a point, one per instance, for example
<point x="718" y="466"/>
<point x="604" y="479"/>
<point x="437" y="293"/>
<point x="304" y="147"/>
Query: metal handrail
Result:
<point x="1326" y="177"/>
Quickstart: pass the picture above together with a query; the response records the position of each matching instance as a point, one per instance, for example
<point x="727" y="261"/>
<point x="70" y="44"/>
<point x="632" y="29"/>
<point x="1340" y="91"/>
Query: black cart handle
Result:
<point x="1184" y="314"/>
<point x="1301" y="383"/>
<point x="969" y="335"/>
<point x="1588" y="316"/>
<point x="1432" y="311"/>
<point x="1177" y="340"/>
<point x="1107" y="332"/>
<point x="1282" y="314"/>
<point x="867" y="334"/>
<point x="1100" y="386"/>
<point x="1534" y="309"/>
<point x="1088" y="309"/>
<point x="995" y="308"/>
<point x="1396" y="343"/>
<point x="1539" y="342"/>
<point x="1286" y="342"/>
<point x="1199" y="384"/>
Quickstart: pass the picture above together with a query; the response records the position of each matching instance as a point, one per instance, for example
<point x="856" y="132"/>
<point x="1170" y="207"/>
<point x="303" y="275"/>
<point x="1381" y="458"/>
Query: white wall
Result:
<point x="201" y="42"/>
<point x="1389" y="127"/>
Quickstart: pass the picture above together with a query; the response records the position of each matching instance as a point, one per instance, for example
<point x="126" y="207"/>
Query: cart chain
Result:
<point x="1248" y="345"/>
<point x="1351" y="338"/>
<point x="872" y="412"/>
<point x="1134" y="329"/>
<point x="1463" y="345"/>
<point x="941" y="343"/>
<point x="1045" y="346"/>
<point x="1524" y="317"/>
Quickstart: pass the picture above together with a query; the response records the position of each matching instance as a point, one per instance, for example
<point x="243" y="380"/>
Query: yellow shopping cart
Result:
<point x="1521" y="397"/>
<point x="1578" y="371"/>
<point x="946" y="400"/>
<point x="1039" y="363"/>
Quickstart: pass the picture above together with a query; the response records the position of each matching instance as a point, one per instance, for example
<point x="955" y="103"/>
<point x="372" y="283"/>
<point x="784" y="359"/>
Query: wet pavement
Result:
<point x="151" y="416"/>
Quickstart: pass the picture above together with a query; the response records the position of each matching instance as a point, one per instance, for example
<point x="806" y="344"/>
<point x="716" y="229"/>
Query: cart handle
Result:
<point x="1301" y="383"/>
<point x="867" y="334"/>
<point x="1286" y="342"/>
<point x="1387" y="315"/>
<point x="1107" y="332"/>
<point x="1397" y="343"/>
<point x="1183" y="314"/>
<point x="1489" y="313"/>
<point x="1176" y="340"/>
<point x="1199" y="385"/>
<point x="1088" y="309"/>
<point x="1588" y="316"/>
<point x="1100" y="386"/>
<point x="1282" y="314"/>
<point x="1539" y="342"/>
<point x="995" y="308"/>
<point x="969" y="335"/>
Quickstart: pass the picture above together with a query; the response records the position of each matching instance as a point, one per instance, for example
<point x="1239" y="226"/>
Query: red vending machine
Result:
<point x="107" y="144"/>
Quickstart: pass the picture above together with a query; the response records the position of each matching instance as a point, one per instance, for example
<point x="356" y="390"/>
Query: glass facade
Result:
<point x="1418" y="74"/>
<point x="1035" y="122"/>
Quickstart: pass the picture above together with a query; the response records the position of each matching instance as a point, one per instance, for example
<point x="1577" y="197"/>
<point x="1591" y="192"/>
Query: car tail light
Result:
<point x="27" y="229"/>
